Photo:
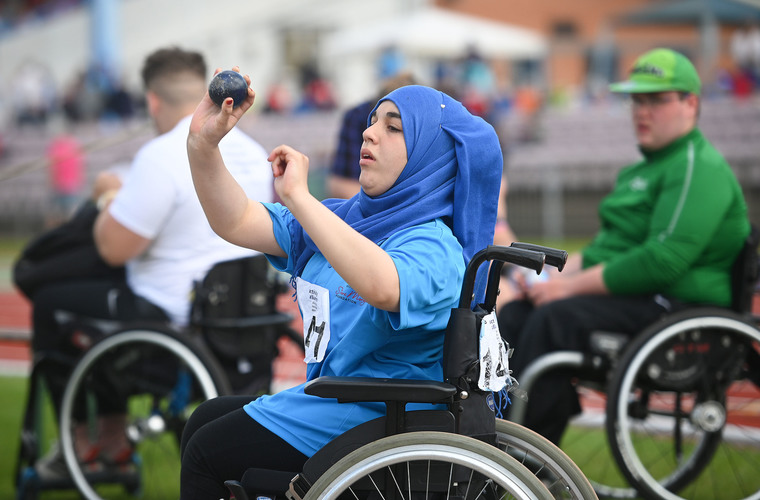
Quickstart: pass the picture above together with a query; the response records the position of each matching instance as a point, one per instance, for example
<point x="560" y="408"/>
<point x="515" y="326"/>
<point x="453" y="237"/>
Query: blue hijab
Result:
<point x="453" y="172"/>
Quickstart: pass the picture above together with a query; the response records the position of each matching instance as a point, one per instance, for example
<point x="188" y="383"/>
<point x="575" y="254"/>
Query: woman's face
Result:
<point x="383" y="154"/>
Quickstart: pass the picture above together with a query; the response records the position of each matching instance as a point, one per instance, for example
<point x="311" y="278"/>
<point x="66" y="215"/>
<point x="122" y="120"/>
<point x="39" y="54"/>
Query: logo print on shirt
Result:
<point x="347" y="294"/>
<point x="639" y="184"/>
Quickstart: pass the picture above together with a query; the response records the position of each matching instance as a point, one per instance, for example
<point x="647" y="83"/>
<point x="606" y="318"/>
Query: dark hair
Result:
<point x="170" y="61"/>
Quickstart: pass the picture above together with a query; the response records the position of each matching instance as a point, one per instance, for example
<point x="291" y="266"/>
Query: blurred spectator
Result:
<point x="741" y="83"/>
<point x="390" y="63"/>
<point x="278" y="99"/>
<point x="66" y="168"/>
<point x="119" y="104"/>
<point x="745" y="51"/>
<point x="528" y="104"/>
<point x="446" y="78"/>
<point x="283" y="93"/>
<point x="81" y="102"/>
<point x="15" y="12"/>
<point x="477" y="83"/>
<point x="34" y="94"/>
<point x="317" y="92"/>
<point x="343" y="180"/>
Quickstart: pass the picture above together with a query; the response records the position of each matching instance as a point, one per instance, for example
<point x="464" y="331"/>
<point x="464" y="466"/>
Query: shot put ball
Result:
<point x="228" y="84"/>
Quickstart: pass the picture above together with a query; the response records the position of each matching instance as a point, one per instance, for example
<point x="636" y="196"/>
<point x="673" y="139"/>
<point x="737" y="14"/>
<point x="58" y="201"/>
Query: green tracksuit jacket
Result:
<point x="673" y="224"/>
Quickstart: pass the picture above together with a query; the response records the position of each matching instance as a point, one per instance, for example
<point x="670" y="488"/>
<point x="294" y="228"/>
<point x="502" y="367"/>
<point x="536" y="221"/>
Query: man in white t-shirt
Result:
<point x="153" y="224"/>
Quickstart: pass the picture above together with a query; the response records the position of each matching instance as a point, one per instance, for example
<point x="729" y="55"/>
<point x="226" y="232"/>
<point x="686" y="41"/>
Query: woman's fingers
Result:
<point x="290" y="169"/>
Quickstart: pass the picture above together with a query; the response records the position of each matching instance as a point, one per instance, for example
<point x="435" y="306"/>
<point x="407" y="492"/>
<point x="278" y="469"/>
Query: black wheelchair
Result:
<point x="156" y="375"/>
<point x="462" y="452"/>
<point x="680" y="417"/>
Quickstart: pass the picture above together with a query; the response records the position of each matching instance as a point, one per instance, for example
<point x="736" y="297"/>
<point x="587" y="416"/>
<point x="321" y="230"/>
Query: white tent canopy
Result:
<point x="435" y="33"/>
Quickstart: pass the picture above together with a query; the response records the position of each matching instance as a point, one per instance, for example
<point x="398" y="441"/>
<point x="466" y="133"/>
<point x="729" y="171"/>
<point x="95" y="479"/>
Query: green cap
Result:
<point x="660" y="70"/>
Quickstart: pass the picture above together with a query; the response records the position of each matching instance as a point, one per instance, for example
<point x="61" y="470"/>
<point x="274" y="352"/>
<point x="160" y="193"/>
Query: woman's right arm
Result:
<point x="230" y="212"/>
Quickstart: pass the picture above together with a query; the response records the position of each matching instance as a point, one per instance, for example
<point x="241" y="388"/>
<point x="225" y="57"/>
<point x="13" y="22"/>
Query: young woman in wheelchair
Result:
<point x="376" y="275"/>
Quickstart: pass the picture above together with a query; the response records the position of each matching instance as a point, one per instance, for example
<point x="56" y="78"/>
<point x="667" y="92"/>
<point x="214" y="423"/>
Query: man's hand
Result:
<point x="548" y="291"/>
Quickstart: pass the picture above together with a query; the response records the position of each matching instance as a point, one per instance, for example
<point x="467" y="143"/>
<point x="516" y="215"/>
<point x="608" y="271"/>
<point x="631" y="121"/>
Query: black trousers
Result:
<point x="221" y="441"/>
<point x="566" y="325"/>
<point x="104" y="299"/>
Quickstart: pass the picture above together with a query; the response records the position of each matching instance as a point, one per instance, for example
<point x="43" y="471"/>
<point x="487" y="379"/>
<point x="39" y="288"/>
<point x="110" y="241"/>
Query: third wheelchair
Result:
<point x="677" y="413"/>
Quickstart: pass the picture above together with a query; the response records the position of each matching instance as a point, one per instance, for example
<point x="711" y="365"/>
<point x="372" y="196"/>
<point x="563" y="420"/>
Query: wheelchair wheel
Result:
<point x="682" y="414"/>
<point x="156" y="378"/>
<point x="427" y="465"/>
<point x="560" y="475"/>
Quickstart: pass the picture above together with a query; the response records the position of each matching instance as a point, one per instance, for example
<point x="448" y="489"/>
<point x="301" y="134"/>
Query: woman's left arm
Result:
<point x="366" y="267"/>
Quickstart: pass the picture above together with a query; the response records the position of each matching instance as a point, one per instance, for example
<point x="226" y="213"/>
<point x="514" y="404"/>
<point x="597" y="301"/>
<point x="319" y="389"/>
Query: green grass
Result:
<point x="732" y="469"/>
<point x="10" y="246"/>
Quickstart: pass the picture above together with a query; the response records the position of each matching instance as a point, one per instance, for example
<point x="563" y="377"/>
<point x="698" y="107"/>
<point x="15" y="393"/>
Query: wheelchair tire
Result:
<point x="681" y="416"/>
<point x="403" y="460"/>
<point x="552" y="466"/>
<point x="156" y="376"/>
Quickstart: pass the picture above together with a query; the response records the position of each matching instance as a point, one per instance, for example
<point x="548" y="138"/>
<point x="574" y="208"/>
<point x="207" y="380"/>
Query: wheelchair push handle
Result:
<point x="519" y="256"/>
<point x="554" y="256"/>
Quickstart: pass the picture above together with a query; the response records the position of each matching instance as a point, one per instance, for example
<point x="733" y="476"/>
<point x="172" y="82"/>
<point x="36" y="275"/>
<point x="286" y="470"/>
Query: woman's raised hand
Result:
<point x="291" y="172"/>
<point x="210" y="123"/>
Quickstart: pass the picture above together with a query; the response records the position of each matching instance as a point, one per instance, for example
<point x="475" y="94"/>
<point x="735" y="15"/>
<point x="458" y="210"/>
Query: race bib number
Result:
<point x="314" y="302"/>
<point x="494" y="364"/>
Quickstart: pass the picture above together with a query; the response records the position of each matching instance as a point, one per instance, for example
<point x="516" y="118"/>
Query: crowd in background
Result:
<point x="743" y="78"/>
<point x="92" y="95"/>
<point x="513" y="101"/>
<point x="14" y="13"/>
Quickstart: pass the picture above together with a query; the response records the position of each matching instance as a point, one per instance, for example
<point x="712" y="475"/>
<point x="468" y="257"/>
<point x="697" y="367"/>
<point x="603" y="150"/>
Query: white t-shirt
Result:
<point x="158" y="202"/>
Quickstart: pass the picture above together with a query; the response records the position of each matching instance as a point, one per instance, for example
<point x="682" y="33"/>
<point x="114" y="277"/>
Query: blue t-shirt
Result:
<point x="365" y="341"/>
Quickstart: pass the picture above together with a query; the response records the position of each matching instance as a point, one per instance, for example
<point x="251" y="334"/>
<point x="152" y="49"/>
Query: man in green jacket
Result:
<point x="670" y="232"/>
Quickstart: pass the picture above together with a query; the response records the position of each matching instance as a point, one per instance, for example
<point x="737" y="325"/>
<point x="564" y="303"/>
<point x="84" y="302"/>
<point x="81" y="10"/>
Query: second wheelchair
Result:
<point x="154" y="376"/>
